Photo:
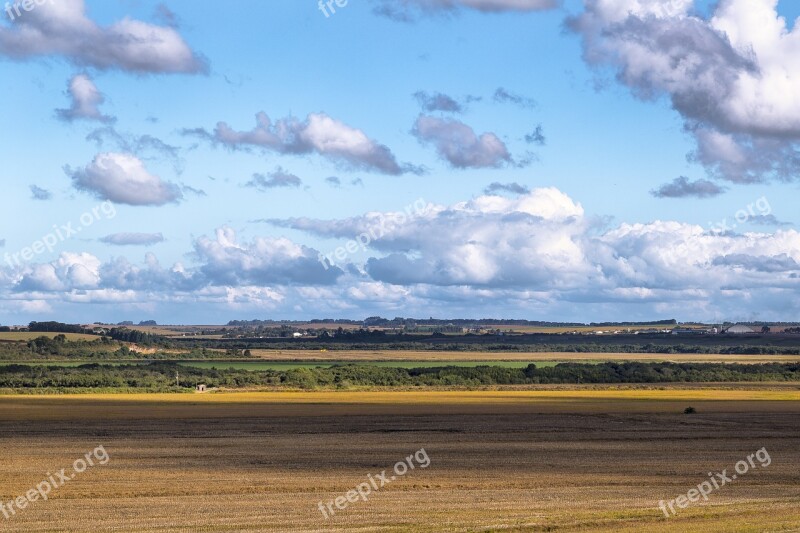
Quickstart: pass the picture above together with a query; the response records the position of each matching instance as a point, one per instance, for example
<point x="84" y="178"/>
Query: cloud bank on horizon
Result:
<point x="588" y="223"/>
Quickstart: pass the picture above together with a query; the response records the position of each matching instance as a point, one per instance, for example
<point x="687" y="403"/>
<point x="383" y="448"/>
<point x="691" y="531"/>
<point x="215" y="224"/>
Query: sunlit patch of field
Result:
<point x="580" y="329"/>
<point x="164" y="331"/>
<point x="335" y="403"/>
<point x="449" y="397"/>
<point x="327" y="325"/>
<point x="533" y="357"/>
<point x="573" y="461"/>
<point x="286" y="365"/>
<point x="29" y="335"/>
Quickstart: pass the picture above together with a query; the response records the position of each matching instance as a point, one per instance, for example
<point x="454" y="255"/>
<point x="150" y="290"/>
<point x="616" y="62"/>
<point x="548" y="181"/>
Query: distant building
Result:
<point x="739" y="329"/>
<point x="694" y="331"/>
<point x="201" y="388"/>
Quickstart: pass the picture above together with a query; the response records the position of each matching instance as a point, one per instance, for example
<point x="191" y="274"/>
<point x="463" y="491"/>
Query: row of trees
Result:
<point x="161" y="376"/>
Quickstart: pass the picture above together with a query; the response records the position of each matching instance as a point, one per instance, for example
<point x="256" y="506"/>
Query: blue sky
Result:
<point x="575" y="228"/>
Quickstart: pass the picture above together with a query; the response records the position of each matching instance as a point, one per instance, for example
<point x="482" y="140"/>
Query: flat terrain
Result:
<point x="284" y="365"/>
<point x="29" y="335"/>
<point x="531" y="357"/>
<point x="287" y="365"/>
<point x="565" y="460"/>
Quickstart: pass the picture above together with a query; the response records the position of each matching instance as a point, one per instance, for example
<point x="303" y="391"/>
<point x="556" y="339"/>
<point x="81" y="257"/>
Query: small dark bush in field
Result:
<point x="689" y="411"/>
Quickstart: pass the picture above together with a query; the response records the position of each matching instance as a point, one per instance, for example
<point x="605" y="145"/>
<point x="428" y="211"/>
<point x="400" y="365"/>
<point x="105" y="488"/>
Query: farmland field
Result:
<point x="284" y="365"/>
<point x="368" y="356"/>
<point x="12" y="336"/>
<point x="420" y="360"/>
<point x="289" y="365"/>
<point x="567" y="460"/>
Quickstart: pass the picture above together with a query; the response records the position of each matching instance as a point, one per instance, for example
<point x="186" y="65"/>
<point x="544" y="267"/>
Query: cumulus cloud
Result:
<point x="263" y="261"/>
<point x="119" y="278"/>
<point x="69" y="271"/>
<point x="318" y="134"/>
<point x="133" y="239"/>
<point x="543" y="247"/>
<point x="123" y="179"/>
<point x="537" y="253"/>
<point x="38" y="193"/>
<point x="222" y="262"/>
<point x="459" y="145"/>
<point x="731" y="76"/>
<point x="277" y="178"/>
<point x="490" y="240"/>
<point x="63" y="29"/>
<point x="409" y="10"/>
<point x="35" y="307"/>
<point x="681" y="187"/>
<point x="86" y="101"/>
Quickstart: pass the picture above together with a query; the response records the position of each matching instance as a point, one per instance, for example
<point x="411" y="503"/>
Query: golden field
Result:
<point x="579" y="459"/>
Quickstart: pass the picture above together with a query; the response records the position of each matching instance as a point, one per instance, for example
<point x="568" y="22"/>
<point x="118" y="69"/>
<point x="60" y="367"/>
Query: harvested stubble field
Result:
<point x="557" y="460"/>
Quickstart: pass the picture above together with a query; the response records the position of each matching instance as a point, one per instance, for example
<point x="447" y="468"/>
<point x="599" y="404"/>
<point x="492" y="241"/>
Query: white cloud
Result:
<point x="459" y="145"/>
<point x="535" y="255"/>
<point x="123" y="179"/>
<point x="732" y="77"/>
<point x="35" y="307"/>
<point x="543" y="241"/>
<point x="62" y="28"/>
<point x="86" y="100"/>
<point x="319" y="134"/>
<point x="263" y="261"/>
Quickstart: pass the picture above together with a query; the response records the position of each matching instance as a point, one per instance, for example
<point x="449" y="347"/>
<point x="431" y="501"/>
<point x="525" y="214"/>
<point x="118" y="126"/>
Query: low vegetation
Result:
<point x="161" y="377"/>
